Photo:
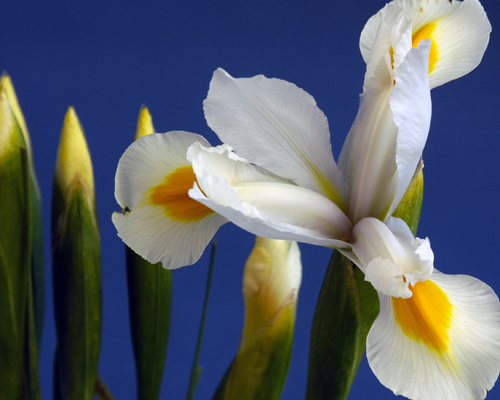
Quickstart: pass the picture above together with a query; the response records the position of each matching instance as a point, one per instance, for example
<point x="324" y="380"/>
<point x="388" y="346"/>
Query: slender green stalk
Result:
<point x="196" y="369"/>
<point x="101" y="390"/>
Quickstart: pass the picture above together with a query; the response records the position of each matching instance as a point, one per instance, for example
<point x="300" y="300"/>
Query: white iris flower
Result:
<point x="437" y="336"/>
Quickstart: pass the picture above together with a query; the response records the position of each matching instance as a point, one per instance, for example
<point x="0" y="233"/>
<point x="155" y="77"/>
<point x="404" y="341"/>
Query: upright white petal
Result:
<point x="159" y="220"/>
<point x="274" y="124"/>
<point x="390" y="257"/>
<point x="368" y="157"/>
<point x="263" y="203"/>
<point x="388" y="135"/>
<point x="459" y="31"/>
<point x="442" y="343"/>
<point x="411" y="107"/>
<point x="392" y="32"/>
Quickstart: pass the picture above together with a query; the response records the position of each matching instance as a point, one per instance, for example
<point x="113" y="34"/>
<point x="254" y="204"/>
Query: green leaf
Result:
<point x="76" y="273"/>
<point x="410" y="207"/>
<point x="370" y="307"/>
<point x="15" y="238"/>
<point x="38" y="287"/>
<point x="150" y="295"/>
<point x="31" y="374"/>
<point x="337" y="333"/>
<point x="37" y="260"/>
<point x="260" y="369"/>
<point x="195" y="369"/>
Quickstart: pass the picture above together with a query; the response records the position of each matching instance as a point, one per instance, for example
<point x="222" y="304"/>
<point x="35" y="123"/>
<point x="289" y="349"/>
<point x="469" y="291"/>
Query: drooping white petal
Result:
<point x="174" y="232"/>
<point x="442" y="343"/>
<point x="390" y="257"/>
<point x="263" y="203"/>
<point x="276" y="125"/>
<point x="411" y="107"/>
<point x="459" y="31"/>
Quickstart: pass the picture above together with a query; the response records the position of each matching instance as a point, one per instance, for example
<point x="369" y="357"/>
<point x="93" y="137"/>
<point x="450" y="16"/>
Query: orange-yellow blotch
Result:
<point x="424" y="33"/>
<point x="426" y="316"/>
<point x="173" y="196"/>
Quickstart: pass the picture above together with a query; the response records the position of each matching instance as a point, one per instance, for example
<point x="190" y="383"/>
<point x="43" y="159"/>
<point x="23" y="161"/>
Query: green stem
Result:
<point x="195" y="369"/>
<point x="101" y="390"/>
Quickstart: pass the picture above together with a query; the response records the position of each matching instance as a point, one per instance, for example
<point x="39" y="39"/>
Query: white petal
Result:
<point x="457" y="355"/>
<point x="147" y="160"/>
<point x="387" y="138"/>
<point x="276" y="125"/>
<point x="393" y="30"/>
<point x="411" y="107"/>
<point x="368" y="157"/>
<point x="262" y="203"/>
<point x="145" y="227"/>
<point x="390" y="257"/>
<point x="461" y="34"/>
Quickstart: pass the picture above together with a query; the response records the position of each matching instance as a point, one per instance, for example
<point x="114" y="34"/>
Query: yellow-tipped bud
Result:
<point x="15" y="242"/>
<point x="76" y="265"/>
<point x="271" y="282"/>
<point x="7" y="122"/>
<point x="6" y="85"/>
<point x="73" y="165"/>
<point x="144" y="124"/>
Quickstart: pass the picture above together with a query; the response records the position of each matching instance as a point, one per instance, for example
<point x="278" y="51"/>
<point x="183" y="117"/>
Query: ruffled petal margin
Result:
<point x="276" y="125"/>
<point x="263" y="203"/>
<point x="443" y="343"/>
<point x="459" y="31"/>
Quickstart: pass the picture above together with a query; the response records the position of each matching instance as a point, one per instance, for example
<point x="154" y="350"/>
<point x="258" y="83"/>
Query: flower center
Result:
<point x="426" y="316"/>
<point x="173" y="196"/>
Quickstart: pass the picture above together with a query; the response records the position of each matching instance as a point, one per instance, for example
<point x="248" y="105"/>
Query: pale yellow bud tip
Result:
<point x="144" y="124"/>
<point x="271" y="282"/>
<point x="8" y="134"/>
<point x="7" y="86"/>
<point x="73" y="165"/>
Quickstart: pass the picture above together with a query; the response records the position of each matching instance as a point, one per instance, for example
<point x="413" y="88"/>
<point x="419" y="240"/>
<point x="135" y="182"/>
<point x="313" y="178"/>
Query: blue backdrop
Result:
<point x="108" y="58"/>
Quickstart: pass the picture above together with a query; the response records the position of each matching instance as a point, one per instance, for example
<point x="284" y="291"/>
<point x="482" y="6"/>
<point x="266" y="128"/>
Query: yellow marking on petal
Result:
<point x="426" y="316"/>
<point x="173" y="196"/>
<point x="424" y="33"/>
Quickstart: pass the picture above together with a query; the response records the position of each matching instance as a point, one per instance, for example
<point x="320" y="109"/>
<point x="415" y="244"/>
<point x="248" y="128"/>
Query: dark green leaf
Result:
<point x="150" y="295"/>
<point x="15" y="238"/>
<point x="76" y="274"/>
<point x="337" y="333"/>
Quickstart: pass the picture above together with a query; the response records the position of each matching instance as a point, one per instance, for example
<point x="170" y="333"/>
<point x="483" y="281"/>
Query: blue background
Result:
<point x="108" y="58"/>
